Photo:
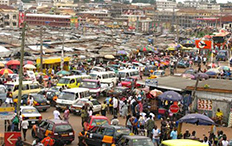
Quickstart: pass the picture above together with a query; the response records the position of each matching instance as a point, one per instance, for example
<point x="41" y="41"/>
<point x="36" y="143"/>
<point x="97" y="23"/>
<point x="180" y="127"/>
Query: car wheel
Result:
<point x="44" y="110"/>
<point x="68" y="142"/>
<point x="104" y="144"/>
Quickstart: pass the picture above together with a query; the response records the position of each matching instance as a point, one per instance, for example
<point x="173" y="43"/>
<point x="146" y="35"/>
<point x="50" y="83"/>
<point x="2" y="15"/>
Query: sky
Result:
<point x="218" y="1"/>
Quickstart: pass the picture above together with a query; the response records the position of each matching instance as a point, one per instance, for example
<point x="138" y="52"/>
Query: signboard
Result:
<point x="203" y="104"/>
<point x="151" y="82"/>
<point x="7" y="109"/>
<point x="7" y="113"/>
<point x="174" y="108"/>
<point x="10" y="138"/>
<point x="21" y="19"/>
<point x="203" y="44"/>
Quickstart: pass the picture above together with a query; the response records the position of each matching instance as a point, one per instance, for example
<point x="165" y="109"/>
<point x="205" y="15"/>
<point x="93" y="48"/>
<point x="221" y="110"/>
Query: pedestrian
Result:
<point x="121" y="104"/>
<point x="19" y="142"/>
<point x="156" y="135"/>
<point x="111" y="106"/>
<point x="193" y="136"/>
<point x="84" y="115"/>
<point x="24" y="126"/>
<point x="31" y="100"/>
<point x="149" y="126"/>
<point x="129" y="122"/>
<point x="48" y="141"/>
<point x="66" y="114"/>
<point x="115" y="105"/>
<point x="173" y="134"/>
<point x="90" y="112"/>
<point x="135" y="125"/>
<point x="15" y="124"/>
<point x="224" y="140"/>
<point x="103" y="108"/>
<point x="186" y="134"/>
<point x="56" y="114"/>
<point x="9" y="97"/>
<point x="205" y="141"/>
<point x="115" y="121"/>
<point x="124" y="109"/>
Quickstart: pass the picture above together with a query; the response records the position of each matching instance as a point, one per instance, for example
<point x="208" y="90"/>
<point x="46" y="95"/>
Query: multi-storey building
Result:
<point x="8" y="16"/>
<point x="165" y="5"/>
<point x="8" y="2"/>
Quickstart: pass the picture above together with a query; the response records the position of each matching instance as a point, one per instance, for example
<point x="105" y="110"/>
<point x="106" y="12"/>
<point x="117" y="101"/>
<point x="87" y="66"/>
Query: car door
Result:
<point x="42" y="129"/>
<point x="95" y="138"/>
<point x="96" y="106"/>
<point x="72" y="83"/>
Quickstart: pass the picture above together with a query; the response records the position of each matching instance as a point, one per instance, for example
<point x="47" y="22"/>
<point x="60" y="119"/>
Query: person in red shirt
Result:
<point x="48" y="141"/>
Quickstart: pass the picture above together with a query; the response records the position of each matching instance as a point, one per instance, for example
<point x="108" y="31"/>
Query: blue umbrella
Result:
<point x="170" y="96"/>
<point x="198" y="119"/>
<point x="122" y="52"/>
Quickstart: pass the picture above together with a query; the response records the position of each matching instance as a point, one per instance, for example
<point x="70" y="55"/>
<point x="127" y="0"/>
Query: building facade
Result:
<point x="48" y="20"/>
<point x="8" y="16"/>
<point x="165" y="5"/>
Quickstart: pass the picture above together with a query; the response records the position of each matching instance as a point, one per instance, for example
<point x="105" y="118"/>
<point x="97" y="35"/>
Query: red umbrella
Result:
<point x="28" y="62"/>
<point x="6" y="71"/>
<point x="207" y="36"/>
<point x="13" y="62"/>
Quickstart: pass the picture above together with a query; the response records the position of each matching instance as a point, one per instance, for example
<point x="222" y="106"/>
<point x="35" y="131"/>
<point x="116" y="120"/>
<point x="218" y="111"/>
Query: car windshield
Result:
<point x="88" y="84"/>
<point x="120" y="132"/>
<point x="67" y="96"/>
<point x="122" y="74"/>
<point x="29" y="111"/>
<point x="157" y="73"/>
<point x="8" y="86"/>
<point x="93" y="76"/>
<point x="142" y="142"/>
<point x="63" y="81"/>
<point x="129" y="80"/>
<point x="39" y="98"/>
<point x="63" y="128"/>
<point x="118" y="90"/>
<point x="2" y="90"/>
<point x="99" y="122"/>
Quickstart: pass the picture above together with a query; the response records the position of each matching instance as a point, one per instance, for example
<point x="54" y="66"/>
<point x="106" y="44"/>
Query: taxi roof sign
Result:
<point x="6" y="109"/>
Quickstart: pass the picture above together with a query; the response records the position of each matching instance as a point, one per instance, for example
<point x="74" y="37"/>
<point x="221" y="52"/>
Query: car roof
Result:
<point x="99" y="117"/>
<point x="91" y="80"/>
<point x="182" y="142"/>
<point x="102" y="73"/>
<point x="76" y="76"/>
<point x="76" y="90"/>
<point x="119" y="87"/>
<point x="135" y="137"/>
<point x="57" y="121"/>
<point x="27" y="107"/>
<point x="128" y="70"/>
<point x="86" y="99"/>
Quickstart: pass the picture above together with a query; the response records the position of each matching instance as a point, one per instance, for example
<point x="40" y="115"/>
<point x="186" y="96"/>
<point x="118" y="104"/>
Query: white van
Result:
<point x="106" y="77"/>
<point x="128" y="73"/>
<point x="70" y="96"/>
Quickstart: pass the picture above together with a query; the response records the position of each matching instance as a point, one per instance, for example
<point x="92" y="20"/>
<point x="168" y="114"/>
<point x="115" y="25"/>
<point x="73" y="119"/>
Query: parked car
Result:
<point x="182" y="64"/>
<point x="30" y="114"/>
<point x="2" y="94"/>
<point x="97" y="121"/>
<point x="102" y="135"/>
<point x="77" y="72"/>
<point x="76" y="107"/>
<point x="120" y="91"/>
<point x="39" y="101"/>
<point x="51" y="95"/>
<point x="135" y="141"/>
<point x="128" y="82"/>
<point x="57" y="128"/>
<point x="157" y="74"/>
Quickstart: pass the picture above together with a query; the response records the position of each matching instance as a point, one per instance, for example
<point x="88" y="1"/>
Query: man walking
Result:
<point x="115" y="105"/>
<point x="24" y="126"/>
<point x="56" y="114"/>
<point x="150" y="124"/>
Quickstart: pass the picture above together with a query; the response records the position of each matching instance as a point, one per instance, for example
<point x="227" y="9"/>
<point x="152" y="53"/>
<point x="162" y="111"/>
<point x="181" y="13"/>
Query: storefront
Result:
<point x="53" y="63"/>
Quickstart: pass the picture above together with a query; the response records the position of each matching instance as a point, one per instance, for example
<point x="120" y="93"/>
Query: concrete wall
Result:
<point x="219" y="100"/>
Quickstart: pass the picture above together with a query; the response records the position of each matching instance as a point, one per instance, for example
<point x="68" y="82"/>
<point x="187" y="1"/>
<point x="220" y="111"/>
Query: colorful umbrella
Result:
<point x="109" y="56"/>
<point x="122" y="52"/>
<point x="2" y="65"/>
<point x="170" y="96"/>
<point x="212" y="65"/>
<point x="156" y="92"/>
<point x="213" y="70"/>
<point x="63" y="72"/>
<point x="198" y="119"/>
<point x="28" y="62"/>
<point x="211" y="73"/>
<point x="29" y="66"/>
<point x="13" y="62"/>
<point x="6" y="71"/>
<point x="226" y="68"/>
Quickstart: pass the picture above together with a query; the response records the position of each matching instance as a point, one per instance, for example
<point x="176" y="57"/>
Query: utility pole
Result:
<point x="62" y="53"/>
<point x="41" y="50"/>
<point x="21" y="67"/>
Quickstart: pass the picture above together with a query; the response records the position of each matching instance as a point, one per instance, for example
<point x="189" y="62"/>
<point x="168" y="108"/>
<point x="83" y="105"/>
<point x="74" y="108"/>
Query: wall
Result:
<point x="220" y="100"/>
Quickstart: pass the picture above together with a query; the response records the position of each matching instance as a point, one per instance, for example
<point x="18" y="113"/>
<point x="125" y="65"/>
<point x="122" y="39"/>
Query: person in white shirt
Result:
<point x="156" y="135"/>
<point x="31" y="100"/>
<point x="56" y="114"/>
<point x="24" y="126"/>
<point x="90" y="112"/>
<point x="224" y="141"/>
<point x="115" y="105"/>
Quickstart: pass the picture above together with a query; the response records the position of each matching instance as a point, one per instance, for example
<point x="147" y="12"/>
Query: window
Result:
<point x="63" y="128"/>
<point x="14" y="23"/>
<point x="16" y="88"/>
<point x="50" y="127"/>
<point x="72" y="81"/>
<point x="109" y="132"/>
<point x="112" y="75"/>
<point x="34" y="86"/>
<point x="95" y="102"/>
<point x="25" y="87"/>
<point x="44" y="125"/>
<point x="105" y="76"/>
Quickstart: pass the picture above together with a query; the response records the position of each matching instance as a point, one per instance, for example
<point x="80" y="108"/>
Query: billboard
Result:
<point x="74" y="21"/>
<point x="203" y="44"/>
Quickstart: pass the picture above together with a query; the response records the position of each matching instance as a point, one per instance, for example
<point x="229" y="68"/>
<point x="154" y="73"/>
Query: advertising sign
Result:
<point x="203" y="44"/>
<point x="204" y="104"/>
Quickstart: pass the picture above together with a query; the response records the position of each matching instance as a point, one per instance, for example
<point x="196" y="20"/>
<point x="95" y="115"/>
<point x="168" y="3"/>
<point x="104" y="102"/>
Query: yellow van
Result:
<point x="27" y="88"/>
<point x="71" y="81"/>
<point x="182" y="142"/>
